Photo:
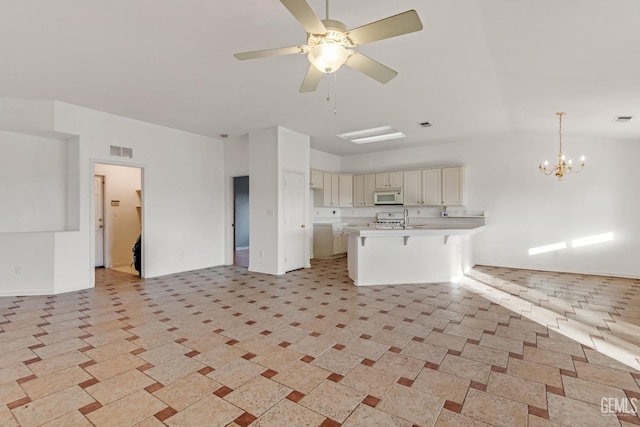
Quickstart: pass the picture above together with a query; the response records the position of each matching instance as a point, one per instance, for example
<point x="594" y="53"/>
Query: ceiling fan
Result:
<point x="329" y="42"/>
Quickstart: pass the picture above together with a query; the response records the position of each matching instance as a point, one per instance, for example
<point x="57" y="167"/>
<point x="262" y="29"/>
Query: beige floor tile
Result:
<point x="574" y="412"/>
<point x="366" y="348"/>
<point x="114" y="366"/>
<point x="220" y="356"/>
<point x="287" y="413"/>
<point x="150" y="422"/>
<point x="463" y="331"/>
<point x="446" y="386"/>
<point x="107" y="351"/>
<point x="502" y="343"/>
<point x="10" y="392"/>
<point x="466" y="368"/>
<point x="174" y="369"/>
<point x="401" y="365"/>
<point x="516" y="334"/>
<point x="518" y="389"/>
<point x="258" y="395"/>
<point x="302" y="377"/>
<point x="13" y="372"/>
<point x="392" y="338"/>
<point x="60" y="348"/>
<point x="484" y="354"/>
<point x="606" y="375"/>
<point x="333" y="400"/>
<point x="494" y="410"/>
<point x="561" y="346"/>
<point x="446" y="341"/>
<point x="127" y="411"/>
<point x="535" y="372"/>
<point x="72" y="419"/>
<point x="366" y="416"/>
<point x="121" y="385"/>
<point x="236" y="373"/>
<point x="57" y="363"/>
<point x="453" y="419"/>
<point x="6" y="418"/>
<point x="425" y="352"/>
<point x="16" y="356"/>
<point x="372" y="381"/>
<point x="413" y="405"/>
<point x="186" y="391"/>
<point x="312" y="346"/>
<point x="164" y="353"/>
<point x="549" y="358"/>
<point x="591" y="392"/>
<point x="277" y="358"/>
<point x="211" y="411"/>
<point x="340" y="362"/>
<point x="52" y="406"/>
<point x="55" y="382"/>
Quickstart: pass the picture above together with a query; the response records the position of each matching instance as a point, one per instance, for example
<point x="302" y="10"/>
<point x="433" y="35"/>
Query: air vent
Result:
<point x="622" y="119"/>
<point x="125" y="152"/>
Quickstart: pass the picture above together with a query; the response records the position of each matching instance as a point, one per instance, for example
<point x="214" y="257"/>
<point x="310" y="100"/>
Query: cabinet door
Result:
<point x="453" y="186"/>
<point x="337" y="244"/>
<point x="369" y="187"/>
<point x="326" y="189"/>
<point x="431" y="193"/>
<point x="358" y="190"/>
<point x="345" y="191"/>
<point x="413" y="188"/>
<point x="335" y="188"/>
<point x="382" y="180"/>
<point x="395" y="179"/>
<point x="317" y="179"/>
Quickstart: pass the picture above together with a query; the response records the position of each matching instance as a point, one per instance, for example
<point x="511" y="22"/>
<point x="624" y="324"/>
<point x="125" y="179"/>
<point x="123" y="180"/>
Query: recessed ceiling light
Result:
<point x="378" y="134"/>
<point x="622" y="119"/>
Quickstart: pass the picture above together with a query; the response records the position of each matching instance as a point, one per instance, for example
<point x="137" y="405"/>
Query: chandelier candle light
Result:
<point x="563" y="167"/>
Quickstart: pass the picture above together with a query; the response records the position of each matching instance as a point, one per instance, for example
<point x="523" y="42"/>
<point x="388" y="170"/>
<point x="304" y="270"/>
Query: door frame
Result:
<point x="229" y="231"/>
<point x="107" y="222"/>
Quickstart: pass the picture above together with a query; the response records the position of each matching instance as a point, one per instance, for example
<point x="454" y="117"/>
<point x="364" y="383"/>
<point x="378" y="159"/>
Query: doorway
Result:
<point x="117" y="215"/>
<point x="241" y="221"/>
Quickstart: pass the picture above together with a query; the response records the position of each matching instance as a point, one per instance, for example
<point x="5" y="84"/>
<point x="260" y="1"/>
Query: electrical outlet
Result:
<point x="18" y="269"/>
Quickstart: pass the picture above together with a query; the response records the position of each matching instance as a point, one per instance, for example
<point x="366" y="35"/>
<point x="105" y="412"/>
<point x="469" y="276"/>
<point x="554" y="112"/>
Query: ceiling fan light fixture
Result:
<point x="328" y="57"/>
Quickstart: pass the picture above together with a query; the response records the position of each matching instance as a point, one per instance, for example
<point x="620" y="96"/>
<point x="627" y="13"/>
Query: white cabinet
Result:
<point x="453" y="186"/>
<point x="363" y="189"/>
<point x="329" y="241"/>
<point x="345" y="191"/>
<point x="431" y="187"/>
<point x="412" y="188"/>
<point x="386" y="180"/>
<point x="434" y="187"/>
<point x="317" y="179"/>
<point x="330" y="190"/>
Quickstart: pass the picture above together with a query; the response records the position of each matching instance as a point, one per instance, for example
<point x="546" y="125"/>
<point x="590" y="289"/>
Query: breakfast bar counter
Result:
<point x="415" y="254"/>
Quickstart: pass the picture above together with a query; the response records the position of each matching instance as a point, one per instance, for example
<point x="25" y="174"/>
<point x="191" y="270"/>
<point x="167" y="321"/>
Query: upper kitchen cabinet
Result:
<point x="453" y="186"/>
<point x="363" y="189"/>
<point x="434" y="187"/>
<point x="386" y="180"/>
<point x="330" y="190"/>
<point x="345" y="191"/>
<point x="317" y="180"/>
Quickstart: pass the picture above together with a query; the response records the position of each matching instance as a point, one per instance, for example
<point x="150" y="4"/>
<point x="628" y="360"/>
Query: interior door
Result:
<point x="98" y="196"/>
<point x="294" y="220"/>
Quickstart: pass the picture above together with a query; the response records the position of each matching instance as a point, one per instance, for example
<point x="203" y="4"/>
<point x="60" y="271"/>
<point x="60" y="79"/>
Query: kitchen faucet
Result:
<point x="406" y="217"/>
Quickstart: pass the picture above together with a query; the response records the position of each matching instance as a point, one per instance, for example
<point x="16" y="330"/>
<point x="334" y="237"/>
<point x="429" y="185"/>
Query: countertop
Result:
<point x="416" y="230"/>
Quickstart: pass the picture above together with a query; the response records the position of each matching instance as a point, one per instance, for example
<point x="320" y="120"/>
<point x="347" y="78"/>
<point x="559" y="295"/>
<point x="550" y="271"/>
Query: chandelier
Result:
<point x="564" y="167"/>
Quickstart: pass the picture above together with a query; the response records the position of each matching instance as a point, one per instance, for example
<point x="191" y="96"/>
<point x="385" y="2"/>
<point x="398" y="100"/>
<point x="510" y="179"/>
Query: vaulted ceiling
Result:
<point x="479" y="69"/>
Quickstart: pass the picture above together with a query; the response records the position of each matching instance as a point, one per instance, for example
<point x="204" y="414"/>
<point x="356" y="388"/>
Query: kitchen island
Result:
<point x="415" y="254"/>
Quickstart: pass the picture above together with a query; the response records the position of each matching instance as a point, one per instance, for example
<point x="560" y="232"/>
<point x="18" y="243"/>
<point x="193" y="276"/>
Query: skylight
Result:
<point x="378" y="134"/>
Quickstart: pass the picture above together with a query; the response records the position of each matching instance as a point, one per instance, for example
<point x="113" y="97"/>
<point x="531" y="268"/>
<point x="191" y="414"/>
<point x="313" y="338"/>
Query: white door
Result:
<point x="98" y="197"/>
<point x="294" y="221"/>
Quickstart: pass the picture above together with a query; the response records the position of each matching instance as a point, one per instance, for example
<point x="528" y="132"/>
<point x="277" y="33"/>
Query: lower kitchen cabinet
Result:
<point x="329" y="241"/>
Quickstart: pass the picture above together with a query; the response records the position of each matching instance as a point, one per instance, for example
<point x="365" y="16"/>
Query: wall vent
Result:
<point x="622" y="119"/>
<point x="125" y="152"/>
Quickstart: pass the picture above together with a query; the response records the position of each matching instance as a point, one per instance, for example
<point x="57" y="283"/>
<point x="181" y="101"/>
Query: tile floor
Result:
<point x="223" y="346"/>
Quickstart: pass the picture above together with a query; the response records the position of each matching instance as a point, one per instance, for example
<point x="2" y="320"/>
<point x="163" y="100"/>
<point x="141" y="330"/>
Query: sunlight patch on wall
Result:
<point x="575" y="243"/>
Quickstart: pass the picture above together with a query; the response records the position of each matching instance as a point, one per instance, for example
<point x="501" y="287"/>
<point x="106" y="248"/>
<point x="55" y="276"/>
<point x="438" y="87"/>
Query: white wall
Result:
<point x="183" y="182"/>
<point x="122" y="222"/>
<point x="324" y="161"/>
<point x="263" y="201"/>
<point x="33" y="183"/>
<point x="527" y="210"/>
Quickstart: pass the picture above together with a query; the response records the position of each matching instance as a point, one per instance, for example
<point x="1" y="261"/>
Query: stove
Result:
<point x="388" y="220"/>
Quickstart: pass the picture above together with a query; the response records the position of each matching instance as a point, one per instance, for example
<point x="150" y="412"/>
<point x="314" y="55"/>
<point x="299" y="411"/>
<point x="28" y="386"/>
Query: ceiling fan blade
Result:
<point x="302" y="11"/>
<point x="397" y="25"/>
<point x="311" y="80"/>
<point x="269" y="52"/>
<point x="371" y="68"/>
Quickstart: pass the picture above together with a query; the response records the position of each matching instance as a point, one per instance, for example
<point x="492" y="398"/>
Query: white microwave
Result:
<point x="388" y="197"/>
